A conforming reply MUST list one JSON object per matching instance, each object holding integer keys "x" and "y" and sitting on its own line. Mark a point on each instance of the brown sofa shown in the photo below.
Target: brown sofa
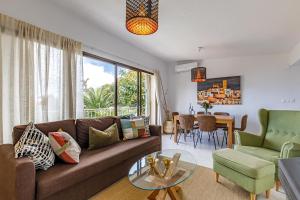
{"x": 97, "y": 168}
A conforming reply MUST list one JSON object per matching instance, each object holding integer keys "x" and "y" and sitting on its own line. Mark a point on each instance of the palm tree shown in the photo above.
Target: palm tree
{"x": 99, "y": 97}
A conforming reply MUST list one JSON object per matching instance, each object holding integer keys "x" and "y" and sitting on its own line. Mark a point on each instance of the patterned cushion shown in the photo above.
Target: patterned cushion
{"x": 146, "y": 122}
{"x": 35, "y": 145}
{"x": 65, "y": 147}
{"x": 133, "y": 128}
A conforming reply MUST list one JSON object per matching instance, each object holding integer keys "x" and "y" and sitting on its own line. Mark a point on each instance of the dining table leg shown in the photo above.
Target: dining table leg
{"x": 230, "y": 134}
{"x": 175, "y": 131}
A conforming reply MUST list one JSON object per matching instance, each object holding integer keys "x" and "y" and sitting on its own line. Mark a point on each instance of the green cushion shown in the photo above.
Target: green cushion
{"x": 266, "y": 154}
{"x": 255, "y": 186}
{"x": 98, "y": 139}
{"x": 243, "y": 163}
{"x": 282, "y": 127}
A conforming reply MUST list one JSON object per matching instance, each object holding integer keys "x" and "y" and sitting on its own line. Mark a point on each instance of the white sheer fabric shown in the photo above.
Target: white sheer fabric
{"x": 157, "y": 106}
{"x": 40, "y": 76}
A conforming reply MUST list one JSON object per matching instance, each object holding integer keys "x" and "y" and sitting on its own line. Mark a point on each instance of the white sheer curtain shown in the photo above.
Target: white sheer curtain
{"x": 40, "y": 76}
{"x": 157, "y": 106}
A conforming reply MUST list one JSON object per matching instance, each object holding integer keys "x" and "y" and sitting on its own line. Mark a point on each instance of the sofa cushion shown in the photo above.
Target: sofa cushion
{"x": 83, "y": 125}
{"x": 65, "y": 147}
{"x": 99, "y": 139}
{"x": 282, "y": 127}
{"x": 266, "y": 154}
{"x": 62, "y": 176}
{"x": 248, "y": 165}
{"x": 133, "y": 128}
{"x": 67, "y": 126}
{"x": 35, "y": 145}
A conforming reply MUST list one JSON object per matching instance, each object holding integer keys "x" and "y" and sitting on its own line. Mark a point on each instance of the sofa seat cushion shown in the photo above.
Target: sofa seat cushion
{"x": 245, "y": 164}
{"x": 62, "y": 176}
{"x": 266, "y": 154}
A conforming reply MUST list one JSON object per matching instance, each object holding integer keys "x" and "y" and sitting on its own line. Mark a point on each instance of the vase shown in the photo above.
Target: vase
{"x": 168, "y": 126}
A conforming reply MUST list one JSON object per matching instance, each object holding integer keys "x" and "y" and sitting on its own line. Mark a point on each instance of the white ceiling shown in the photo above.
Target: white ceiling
{"x": 225, "y": 28}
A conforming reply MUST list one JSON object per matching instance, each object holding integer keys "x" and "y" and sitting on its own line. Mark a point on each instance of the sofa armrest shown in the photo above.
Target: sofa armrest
{"x": 290, "y": 149}
{"x": 155, "y": 130}
{"x": 248, "y": 139}
{"x": 17, "y": 176}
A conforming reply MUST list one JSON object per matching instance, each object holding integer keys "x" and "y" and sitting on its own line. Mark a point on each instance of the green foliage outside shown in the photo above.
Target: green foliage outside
{"x": 102, "y": 99}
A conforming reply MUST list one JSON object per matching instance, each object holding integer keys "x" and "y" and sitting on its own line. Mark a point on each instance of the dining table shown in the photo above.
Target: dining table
{"x": 220, "y": 119}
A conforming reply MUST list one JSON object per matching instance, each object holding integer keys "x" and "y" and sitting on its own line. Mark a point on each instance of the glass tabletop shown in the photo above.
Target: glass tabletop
{"x": 162, "y": 169}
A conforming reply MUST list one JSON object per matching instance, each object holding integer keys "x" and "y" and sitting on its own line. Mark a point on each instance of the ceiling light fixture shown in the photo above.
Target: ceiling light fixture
{"x": 198, "y": 74}
{"x": 142, "y": 16}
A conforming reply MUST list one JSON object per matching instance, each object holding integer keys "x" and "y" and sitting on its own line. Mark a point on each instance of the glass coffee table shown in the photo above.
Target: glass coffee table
{"x": 161, "y": 172}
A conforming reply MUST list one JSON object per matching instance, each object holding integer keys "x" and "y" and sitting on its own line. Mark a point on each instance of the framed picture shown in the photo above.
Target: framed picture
{"x": 220, "y": 91}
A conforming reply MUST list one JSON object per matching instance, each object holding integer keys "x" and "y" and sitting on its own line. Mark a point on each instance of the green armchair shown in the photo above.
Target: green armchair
{"x": 279, "y": 137}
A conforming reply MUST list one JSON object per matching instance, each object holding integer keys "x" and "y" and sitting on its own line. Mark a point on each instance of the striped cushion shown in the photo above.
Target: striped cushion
{"x": 65, "y": 147}
{"x": 35, "y": 145}
{"x": 133, "y": 128}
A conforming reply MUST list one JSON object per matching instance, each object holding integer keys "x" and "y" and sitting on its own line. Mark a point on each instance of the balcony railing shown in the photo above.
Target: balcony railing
{"x": 102, "y": 112}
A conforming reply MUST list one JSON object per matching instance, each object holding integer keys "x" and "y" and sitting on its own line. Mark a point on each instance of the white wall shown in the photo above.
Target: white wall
{"x": 265, "y": 82}
{"x": 44, "y": 14}
{"x": 294, "y": 59}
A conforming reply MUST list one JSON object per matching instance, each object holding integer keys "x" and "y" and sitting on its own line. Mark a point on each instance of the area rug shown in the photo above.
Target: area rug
{"x": 200, "y": 186}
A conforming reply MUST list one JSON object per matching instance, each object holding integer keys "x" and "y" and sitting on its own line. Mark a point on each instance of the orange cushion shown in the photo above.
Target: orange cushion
{"x": 65, "y": 147}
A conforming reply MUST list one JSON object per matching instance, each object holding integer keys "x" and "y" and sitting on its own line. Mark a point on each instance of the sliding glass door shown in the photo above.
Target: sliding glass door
{"x": 112, "y": 89}
{"x": 127, "y": 91}
{"x": 99, "y": 88}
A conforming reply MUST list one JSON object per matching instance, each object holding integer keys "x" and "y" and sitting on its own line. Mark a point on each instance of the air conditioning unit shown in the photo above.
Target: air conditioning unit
{"x": 185, "y": 67}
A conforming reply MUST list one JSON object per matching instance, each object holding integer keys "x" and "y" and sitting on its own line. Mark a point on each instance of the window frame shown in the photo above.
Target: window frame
{"x": 122, "y": 65}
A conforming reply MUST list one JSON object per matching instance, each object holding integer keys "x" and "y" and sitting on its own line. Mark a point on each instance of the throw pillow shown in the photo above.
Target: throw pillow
{"x": 64, "y": 146}
{"x": 98, "y": 139}
{"x": 133, "y": 128}
{"x": 35, "y": 145}
{"x": 146, "y": 122}
{"x": 127, "y": 116}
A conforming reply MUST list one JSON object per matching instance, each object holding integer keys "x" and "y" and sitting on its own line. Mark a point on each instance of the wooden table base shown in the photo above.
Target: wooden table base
{"x": 162, "y": 194}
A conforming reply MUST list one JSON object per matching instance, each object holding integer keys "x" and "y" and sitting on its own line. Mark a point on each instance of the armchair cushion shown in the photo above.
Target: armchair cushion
{"x": 282, "y": 127}
{"x": 265, "y": 154}
{"x": 248, "y": 139}
{"x": 262, "y": 153}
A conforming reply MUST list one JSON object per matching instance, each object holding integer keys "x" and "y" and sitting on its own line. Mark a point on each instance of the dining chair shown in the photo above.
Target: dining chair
{"x": 202, "y": 113}
{"x": 173, "y": 115}
{"x": 186, "y": 126}
{"x": 242, "y": 128}
{"x": 222, "y": 113}
{"x": 206, "y": 123}
{"x": 222, "y": 126}
{"x": 243, "y": 123}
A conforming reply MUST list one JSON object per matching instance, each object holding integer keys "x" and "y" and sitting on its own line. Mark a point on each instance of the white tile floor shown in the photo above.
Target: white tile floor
{"x": 203, "y": 151}
{"x": 203, "y": 156}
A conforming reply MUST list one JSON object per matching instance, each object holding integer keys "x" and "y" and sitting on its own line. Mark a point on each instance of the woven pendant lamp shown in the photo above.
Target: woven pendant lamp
{"x": 142, "y": 16}
{"x": 198, "y": 74}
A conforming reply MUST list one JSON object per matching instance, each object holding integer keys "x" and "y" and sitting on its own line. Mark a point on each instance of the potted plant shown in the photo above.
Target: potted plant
{"x": 206, "y": 105}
